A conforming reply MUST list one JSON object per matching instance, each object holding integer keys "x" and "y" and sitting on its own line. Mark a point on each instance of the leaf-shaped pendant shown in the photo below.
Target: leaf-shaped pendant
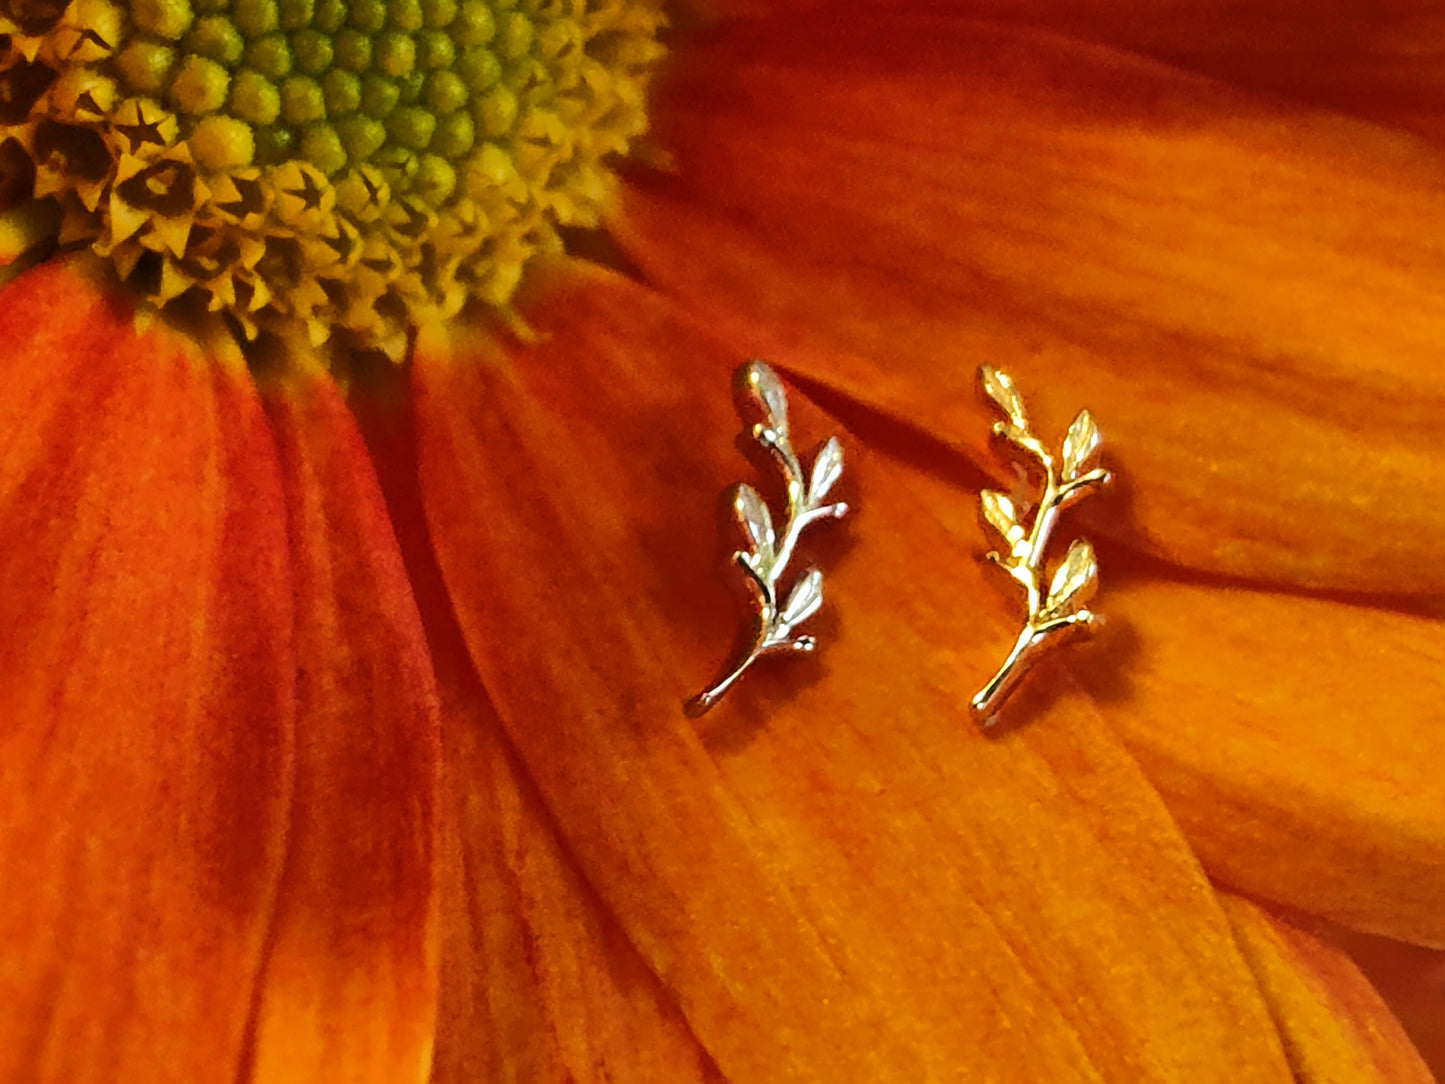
{"x": 827, "y": 469}
{"x": 756, "y": 521}
{"x": 763, "y": 406}
{"x": 805, "y": 600}
{"x": 1059, "y": 615}
{"x": 1074, "y": 582}
{"x": 1081, "y": 446}
{"x": 761, "y": 399}
{"x": 999, "y": 511}
{"x": 1000, "y": 388}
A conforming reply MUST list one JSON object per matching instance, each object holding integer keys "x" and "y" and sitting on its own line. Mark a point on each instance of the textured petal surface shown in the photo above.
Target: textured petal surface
{"x": 1247, "y": 295}
{"x": 1379, "y": 60}
{"x": 1374, "y": 59}
{"x": 537, "y": 982}
{"x": 835, "y": 875}
{"x": 1335, "y": 1026}
{"x": 146, "y": 693}
{"x": 1296, "y": 740}
{"x": 1411, "y": 979}
{"x": 349, "y": 991}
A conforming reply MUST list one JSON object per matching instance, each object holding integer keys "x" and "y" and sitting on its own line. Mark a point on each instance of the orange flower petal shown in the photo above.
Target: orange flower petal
{"x": 836, "y": 875}
{"x": 1411, "y": 979}
{"x": 1296, "y": 740}
{"x": 1379, "y": 61}
{"x": 1247, "y": 296}
{"x": 537, "y": 982}
{"x": 146, "y": 693}
{"x": 349, "y": 991}
{"x": 1334, "y": 1025}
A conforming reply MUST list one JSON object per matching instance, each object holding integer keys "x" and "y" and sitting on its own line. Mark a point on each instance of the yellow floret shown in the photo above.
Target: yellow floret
{"x": 329, "y": 167}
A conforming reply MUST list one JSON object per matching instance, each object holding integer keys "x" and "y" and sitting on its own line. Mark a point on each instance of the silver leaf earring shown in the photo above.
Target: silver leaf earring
{"x": 763, "y": 405}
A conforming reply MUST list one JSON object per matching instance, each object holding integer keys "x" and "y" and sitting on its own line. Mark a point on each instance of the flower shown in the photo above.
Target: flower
{"x": 377, "y": 726}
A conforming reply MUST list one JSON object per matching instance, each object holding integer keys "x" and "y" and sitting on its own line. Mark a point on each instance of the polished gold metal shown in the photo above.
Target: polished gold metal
{"x": 762, "y": 402}
{"x": 1060, "y": 615}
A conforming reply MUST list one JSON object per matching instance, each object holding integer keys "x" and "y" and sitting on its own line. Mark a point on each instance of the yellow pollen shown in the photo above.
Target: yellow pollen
{"x": 346, "y": 167}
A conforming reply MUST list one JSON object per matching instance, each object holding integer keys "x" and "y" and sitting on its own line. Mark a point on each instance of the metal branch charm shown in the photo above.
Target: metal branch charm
{"x": 1058, "y": 616}
{"x": 763, "y": 405}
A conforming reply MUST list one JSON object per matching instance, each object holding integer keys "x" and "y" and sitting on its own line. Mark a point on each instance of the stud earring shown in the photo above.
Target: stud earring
{"x": 763, "y": 405}
{"x": 1059, "y": 615}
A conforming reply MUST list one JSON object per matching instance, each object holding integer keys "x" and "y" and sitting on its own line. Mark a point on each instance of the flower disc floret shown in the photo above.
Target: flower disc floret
{"x": 319, "y": 165}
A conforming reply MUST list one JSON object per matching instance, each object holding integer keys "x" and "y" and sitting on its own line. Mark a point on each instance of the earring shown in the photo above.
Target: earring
{"x": 763, "y": 405}
{"x": 1058, "y": 616}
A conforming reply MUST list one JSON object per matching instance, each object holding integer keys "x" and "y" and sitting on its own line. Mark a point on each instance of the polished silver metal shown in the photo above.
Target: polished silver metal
{"x": 763, "y": 405}
{"x": 1059, "y": 615}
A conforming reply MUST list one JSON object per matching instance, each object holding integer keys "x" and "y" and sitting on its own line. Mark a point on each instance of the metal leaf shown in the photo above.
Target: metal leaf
{"x": 805, "y": 599}
{"x": 1081, "y": 446}
{"x": 1000, "y": 513}
{"x": 827, "y": 469}
{"x": 1000, "y": 388}
{"x": 1075, "y": 581}
{"x": 761, "y": 397}
{"x": 755, "y": 519}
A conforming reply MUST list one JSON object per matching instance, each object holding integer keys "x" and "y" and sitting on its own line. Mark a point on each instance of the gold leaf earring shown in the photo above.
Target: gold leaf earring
{"x": 762, "y": 402}
{"x": 1059, "y": 615}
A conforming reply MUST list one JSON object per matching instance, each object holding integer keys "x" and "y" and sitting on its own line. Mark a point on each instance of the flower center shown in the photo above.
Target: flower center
{"x": 349, "y": 166}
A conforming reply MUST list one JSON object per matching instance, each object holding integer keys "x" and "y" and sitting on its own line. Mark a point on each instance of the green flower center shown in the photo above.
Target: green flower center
{"x": 351, "y": 166}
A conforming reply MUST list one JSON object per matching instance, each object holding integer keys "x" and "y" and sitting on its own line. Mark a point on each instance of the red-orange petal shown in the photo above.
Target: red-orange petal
{"x": 537, "y": 983}
{"x": 836, "y": 876}
{"x": 1296, "y": 740}
{"x": 1335, "y": 1026}
{"x": 1245, "y": 294}
{"x": 1380, "y": 61}
{"x": 1411, "y": 979}
{"x": 349, "y": 990}
{"x": 146, "y": 693}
